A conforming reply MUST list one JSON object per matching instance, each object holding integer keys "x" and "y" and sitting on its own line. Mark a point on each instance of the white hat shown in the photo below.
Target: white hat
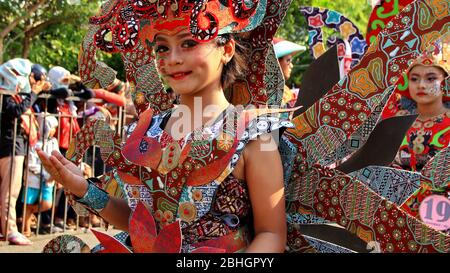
{"x": 283, "y": 47}
{"x": 56, "y": 74}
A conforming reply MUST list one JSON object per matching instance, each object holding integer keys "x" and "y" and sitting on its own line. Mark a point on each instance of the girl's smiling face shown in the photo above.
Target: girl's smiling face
{"x": 189, "y": 67}
{"x": 425, "y": 84}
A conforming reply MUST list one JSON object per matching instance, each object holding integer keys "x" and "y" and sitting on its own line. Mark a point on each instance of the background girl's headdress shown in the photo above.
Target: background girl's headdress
{"x": 438, "y": 55}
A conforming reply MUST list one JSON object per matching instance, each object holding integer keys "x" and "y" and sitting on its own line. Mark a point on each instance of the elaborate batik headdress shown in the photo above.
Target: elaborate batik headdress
{"x": 205, "y": 19}
{"x": 129, "y": 28}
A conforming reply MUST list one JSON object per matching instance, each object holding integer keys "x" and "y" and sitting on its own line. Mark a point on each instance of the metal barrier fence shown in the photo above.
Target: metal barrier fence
{"x": 119, "y": 121}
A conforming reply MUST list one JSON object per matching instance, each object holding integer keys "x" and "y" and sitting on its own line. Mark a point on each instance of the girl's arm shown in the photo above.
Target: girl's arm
{"x": 111, "y": 97}
{"x": 71, "y": 177}
{"x": 264, "y": 176}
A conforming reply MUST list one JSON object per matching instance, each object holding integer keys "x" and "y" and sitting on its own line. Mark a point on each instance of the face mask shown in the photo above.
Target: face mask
{"x": 59, "y": 85}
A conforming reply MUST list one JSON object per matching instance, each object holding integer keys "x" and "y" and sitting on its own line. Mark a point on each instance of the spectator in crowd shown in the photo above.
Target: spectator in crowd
{"x": 27, "y": 81}
{"x": 113, "y": 97}
{"x": 68, "y": 127}
{"x": 40, "y": 184}
{"x": 285, "y": 52}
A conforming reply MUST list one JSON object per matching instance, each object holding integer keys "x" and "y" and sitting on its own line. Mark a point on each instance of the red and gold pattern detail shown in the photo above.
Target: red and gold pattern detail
{"x": 144, "y": 236}
{"x": 381, "y": 15}
{"x": 423, "y": 140}
{"x": 225, "y": 142}
{"x": 171, "y": 157}
{"x": 296, "y": 242}
{"x": 376, "y": 69}
{"x": 232, "y": 198}
{"x": 197, "y": 195}
{"x": 187, "y": 212}
{"x": 361, "y": 83}
{"x": 142, "y": 150}
{"x": 110, "y": 244}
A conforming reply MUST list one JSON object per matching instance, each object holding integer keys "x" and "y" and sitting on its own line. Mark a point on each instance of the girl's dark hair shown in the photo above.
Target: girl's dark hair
{"x": 237, "y": 65}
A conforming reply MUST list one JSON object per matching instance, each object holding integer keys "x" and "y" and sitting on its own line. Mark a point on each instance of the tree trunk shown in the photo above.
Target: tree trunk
{"x": 9, "y": 27}
{"x": 1, "y": 50}
{"x": 26, "y": 45}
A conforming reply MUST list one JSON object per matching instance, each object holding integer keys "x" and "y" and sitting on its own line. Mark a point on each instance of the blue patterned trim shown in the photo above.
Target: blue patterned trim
{"x": 95, "y": 198}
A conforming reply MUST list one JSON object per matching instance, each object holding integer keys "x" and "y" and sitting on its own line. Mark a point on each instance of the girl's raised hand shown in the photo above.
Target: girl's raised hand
{"x": 64, "y": 172}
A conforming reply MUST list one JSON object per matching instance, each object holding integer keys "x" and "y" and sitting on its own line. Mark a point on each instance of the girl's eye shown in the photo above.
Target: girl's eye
{"x": 413, "y": 79}
{"x": 189, "y": 44}
{"x": 432, "y": 79}
{"x": 161, "y": 49}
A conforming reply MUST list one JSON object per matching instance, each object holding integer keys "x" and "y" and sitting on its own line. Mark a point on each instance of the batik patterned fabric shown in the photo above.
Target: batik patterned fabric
{"x": 435, "y": 179}
{"x": 253, "y": 89}
{"x": 349, "y": 203}
{"x": 329, "y": 122}
{"x": 318, "y": 18}
{"x": 356, "y": 140}
{"x": 393, "y": 184}
{"x": 422, "y": 141}
{"x": 324, "y": 126}
{"x": 199, "y": 190}
{"x": 207, "y": 210}
{"x": 384, "y": 12}
{"x": 66, "y": 244}
{"x": 326, "y": 247}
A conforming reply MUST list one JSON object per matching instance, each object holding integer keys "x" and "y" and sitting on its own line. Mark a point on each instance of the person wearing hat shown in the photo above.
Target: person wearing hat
{"x": 285, "y": 52}
{"x": 47, "y": 126}
{"x": 431, "y": 131}
{"x": 18, "y": 129}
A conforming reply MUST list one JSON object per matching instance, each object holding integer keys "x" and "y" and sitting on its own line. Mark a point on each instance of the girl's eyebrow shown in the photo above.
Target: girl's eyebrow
{"x": 178, "y": 36}
{"x": 427, "y": 74}
{"x": 431, "y": 74}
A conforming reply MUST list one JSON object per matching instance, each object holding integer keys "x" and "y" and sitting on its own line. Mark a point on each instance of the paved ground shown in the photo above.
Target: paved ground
{"x": 40, "y": 241}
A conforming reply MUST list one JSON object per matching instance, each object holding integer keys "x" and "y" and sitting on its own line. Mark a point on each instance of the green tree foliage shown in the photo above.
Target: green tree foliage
{"x": 294, "y": 27}
{"x": 50, "y": 31}
{"x": 50, "y": 35}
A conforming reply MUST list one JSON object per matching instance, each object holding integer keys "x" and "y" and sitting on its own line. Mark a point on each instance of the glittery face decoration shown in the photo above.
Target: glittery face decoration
{"x": 426, "y": 80}
{"x": 434, "y": 88}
